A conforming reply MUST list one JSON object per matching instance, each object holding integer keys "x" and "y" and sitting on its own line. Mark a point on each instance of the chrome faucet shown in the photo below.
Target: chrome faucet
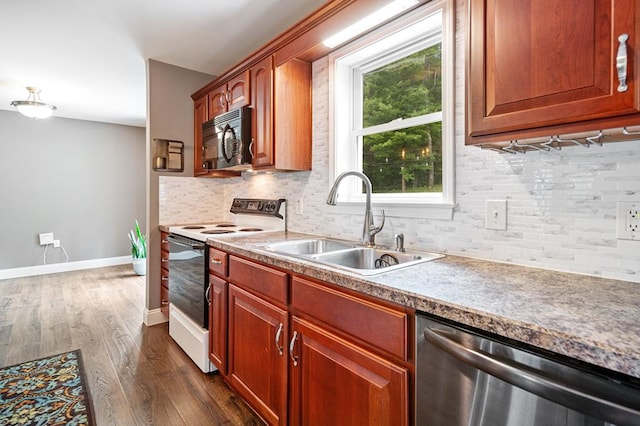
{"x": 369, "y": 230}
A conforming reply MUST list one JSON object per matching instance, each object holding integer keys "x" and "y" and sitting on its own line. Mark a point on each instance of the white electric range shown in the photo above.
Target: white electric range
{"x": 189, "y": 277}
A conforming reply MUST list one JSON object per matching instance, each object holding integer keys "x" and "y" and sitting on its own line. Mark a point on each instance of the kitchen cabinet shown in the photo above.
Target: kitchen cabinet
{"x": 281, "y": 101}
{"x": 200, "y": 115}
{"x": 344, "y": 347}
{"x": 258, "y": 332}
{"x": 549, "y": 67}
{"x": 164, "y": 273}
{"x": 335, "y": 357}
{"x": 231, "y": 95}
{"x": 218, "y": 299}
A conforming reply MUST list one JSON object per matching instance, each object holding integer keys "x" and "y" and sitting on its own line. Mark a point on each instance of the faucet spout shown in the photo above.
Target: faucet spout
{"x": 369, "y": 230}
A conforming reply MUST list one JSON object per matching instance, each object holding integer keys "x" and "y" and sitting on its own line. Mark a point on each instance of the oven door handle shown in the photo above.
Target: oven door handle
{"x": 182, "y": 243}
{"x": 546, "y": 386}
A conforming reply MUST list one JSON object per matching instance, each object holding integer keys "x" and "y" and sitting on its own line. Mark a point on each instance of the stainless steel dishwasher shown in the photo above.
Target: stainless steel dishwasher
{"x": 465, "y": 377}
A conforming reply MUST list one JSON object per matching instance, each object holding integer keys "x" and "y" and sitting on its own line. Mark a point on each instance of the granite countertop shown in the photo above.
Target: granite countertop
{"x": 592, "y": 319}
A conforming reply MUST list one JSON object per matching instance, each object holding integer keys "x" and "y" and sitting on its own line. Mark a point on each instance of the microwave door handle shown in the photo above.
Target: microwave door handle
{"x": 554, "y": 388}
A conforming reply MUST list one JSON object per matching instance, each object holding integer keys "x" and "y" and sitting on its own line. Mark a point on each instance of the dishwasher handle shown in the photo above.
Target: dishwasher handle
{"x": 551, "y": 388}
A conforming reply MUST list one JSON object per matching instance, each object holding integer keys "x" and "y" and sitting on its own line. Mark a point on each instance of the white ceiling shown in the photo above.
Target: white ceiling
{"x": 88, "y": 56}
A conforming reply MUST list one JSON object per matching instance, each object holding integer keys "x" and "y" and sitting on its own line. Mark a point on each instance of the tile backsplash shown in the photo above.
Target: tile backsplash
{"x": 561, "y": 204}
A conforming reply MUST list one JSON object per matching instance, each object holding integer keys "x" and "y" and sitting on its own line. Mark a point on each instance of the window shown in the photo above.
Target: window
{"x": 393, "y": 111}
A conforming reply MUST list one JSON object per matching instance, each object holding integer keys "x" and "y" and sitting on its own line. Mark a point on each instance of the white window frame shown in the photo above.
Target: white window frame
{"x": 343, "y": 79}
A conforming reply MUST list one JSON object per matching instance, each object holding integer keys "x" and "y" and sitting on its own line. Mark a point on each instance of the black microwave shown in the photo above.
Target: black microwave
{"x": 226, "y": 141}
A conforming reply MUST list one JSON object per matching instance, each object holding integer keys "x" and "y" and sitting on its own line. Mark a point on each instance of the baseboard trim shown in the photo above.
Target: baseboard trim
{"x": 154, "y": 317}
{"x": 54, "y": 268}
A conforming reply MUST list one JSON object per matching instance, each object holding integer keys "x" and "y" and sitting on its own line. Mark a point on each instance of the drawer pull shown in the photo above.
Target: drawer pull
{"x": 164, "y": 278}
{"x": 163, "y": 260}
{"x": 165, "y": 241}
{"x": 278, "y": 335}
{"x": 216, "y": 261}
{"x": 291, "y": 347}
{"x": 621, "y": 63}
{"x": 164, "y": 302}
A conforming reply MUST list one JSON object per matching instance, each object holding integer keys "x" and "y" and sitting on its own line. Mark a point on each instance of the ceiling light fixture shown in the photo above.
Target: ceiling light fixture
{"x": 390, "y": 10}
{"x": 33, "y": 107}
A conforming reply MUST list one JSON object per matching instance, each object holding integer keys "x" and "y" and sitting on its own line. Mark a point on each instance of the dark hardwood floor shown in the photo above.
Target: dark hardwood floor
{"x": 137, "y": 375}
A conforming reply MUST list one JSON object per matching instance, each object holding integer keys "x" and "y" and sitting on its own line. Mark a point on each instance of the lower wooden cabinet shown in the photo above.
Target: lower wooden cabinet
{"x": 257, "y": 358}
{"x": 334, "y": 382}
{"x": 218, "y": 290}
{"x": 164, "y": 273}
{"x": 303, "y": 352}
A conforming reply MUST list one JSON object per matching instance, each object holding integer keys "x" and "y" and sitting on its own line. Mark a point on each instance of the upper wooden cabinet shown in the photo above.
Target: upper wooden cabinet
{"x": 281, "y": 101}
{"x": 539, "y": 68}
{"x": 200, "y": 115}
{"x": 233, "y": 94}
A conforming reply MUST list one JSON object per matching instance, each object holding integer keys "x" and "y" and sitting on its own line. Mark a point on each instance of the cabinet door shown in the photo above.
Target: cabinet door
{"x": 200, "y": 115}
{"x": 536, "y": 63}
{"x": 257, "y": 357}
{"x": 334, "y": 382}
{"x": 238, "y": 94}
{"x": 292, "y": 115}
{"x": 262, "y": 114}
{"x": 217, "y": 101}
{"x": 218, "y": 323}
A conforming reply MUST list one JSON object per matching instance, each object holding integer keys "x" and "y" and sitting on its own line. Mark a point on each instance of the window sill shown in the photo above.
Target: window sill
{"x": 440, "y": 211}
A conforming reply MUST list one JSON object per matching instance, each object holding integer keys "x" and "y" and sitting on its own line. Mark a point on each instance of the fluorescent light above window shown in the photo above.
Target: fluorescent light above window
{"x": 390, "y": 10}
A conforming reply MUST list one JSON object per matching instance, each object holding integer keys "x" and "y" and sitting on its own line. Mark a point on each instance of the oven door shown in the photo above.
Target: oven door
{"x": 188, "y": 278}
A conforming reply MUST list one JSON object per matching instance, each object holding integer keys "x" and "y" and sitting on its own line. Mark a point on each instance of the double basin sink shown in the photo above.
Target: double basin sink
{"x": 349, "y": 256}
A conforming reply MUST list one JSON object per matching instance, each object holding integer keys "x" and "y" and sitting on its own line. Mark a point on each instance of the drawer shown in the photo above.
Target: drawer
{"x": 218, "y": 262}
{"x": 377, "y": 325}
{"x": 164, "y": 243}
{"x": 164, "y": 259}
{"x": 164, "y": 277}
{"x": 164, "y": 300}
{"x": 261, "y": 279}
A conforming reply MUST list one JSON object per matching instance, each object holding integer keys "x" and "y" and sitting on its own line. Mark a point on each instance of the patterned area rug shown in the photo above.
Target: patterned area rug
{"x": 47, "y": 391}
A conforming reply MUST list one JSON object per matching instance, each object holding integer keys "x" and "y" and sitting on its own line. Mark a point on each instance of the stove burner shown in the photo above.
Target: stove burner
{"x": 225, "y": 225}
{"x": 193, "y": 227}
{"x": 250, "y": 229}
{"x": 217, "y": 231}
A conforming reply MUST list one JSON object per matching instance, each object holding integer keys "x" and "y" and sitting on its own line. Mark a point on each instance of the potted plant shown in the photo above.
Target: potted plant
{"x": 138, "y": 250}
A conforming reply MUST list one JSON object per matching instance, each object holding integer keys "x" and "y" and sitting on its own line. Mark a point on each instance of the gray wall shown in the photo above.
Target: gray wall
{"x": 169, "y": 116}
{"x": 82, "y": 180}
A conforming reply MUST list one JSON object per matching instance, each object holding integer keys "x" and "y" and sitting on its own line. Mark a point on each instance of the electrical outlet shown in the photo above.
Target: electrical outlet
{"x": 628, "y": 221}
{"x": 497, "y": 214}
{"x": 46, "y": 238}
{"x": 299, "y": 206}
{"x": 56, "y": 243}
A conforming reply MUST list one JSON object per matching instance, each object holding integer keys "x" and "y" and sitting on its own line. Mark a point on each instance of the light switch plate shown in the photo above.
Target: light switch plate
{"x": 497, "y": 215}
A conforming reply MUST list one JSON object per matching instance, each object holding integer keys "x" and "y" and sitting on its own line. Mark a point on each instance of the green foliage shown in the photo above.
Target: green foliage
{"x": 409, "y": 159}
{"x": 138, "y": 243}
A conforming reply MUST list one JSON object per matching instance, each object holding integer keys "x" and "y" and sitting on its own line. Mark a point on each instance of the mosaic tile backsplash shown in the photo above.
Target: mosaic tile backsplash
{"x": 561, "y": 204}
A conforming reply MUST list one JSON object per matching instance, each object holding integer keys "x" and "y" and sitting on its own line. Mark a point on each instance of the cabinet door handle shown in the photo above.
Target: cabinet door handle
{"x": 164, "y": 241}
{"x": 207, "y": 294}
{"x": 163, "y": 260}
{"x": 165, "y": 278}
{"x": 216, "y": 261}
{"x": 228, "y": 96}
{"x": 251, "y": 148}
{"x": 278, "y": 335}
{"x": 291, "y": 346}
{"x": 164, "y": 302}
{"x": 222, "y": 98}
{"x": 621, "y": 63}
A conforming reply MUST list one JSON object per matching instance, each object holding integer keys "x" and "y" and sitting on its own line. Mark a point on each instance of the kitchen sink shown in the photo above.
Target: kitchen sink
{"x": 350, "y": 256}
{"x": 369, "y": 261}
{"x": 308, "y": 247}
